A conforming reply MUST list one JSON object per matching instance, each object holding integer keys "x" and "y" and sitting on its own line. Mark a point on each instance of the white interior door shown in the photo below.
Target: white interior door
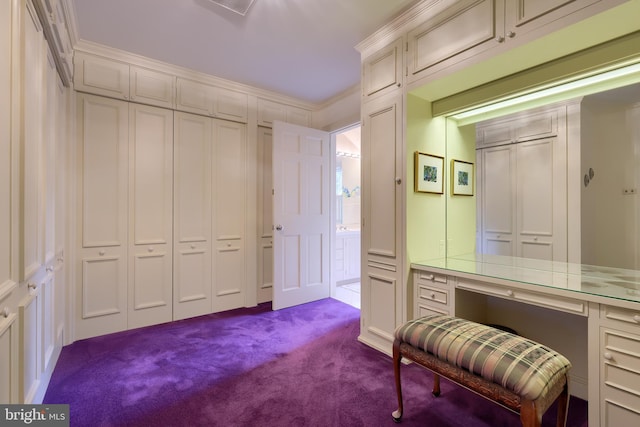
{"x": 301, "y": 215}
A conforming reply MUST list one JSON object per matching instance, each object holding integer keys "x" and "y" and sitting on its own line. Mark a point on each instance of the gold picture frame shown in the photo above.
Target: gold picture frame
{"x": 429, "y": 173}
{"x": 462, "y": 178}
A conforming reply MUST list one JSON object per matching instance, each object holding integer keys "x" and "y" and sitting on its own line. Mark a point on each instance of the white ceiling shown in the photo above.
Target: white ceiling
{"x": 300, "y": 48}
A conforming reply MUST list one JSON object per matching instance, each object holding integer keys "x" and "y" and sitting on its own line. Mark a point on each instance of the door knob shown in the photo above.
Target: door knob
{"x": 279, "y": 227}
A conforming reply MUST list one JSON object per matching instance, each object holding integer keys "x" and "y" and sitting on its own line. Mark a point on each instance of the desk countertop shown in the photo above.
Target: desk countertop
{"x": 588, "y": 280}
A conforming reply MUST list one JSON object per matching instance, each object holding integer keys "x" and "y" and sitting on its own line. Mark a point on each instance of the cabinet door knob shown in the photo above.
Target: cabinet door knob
{"x": 511, "y": 34}
{"x": 32, "y": 286}
{"x": 279, "y": 227}
{"x": 499, "y": 39}
{"x": 6, "y": 312}
{"x": 608, "y": 356}
{"x": 510, "y": 292}
{"x": 398, "y": 181}
{"x": 636, "y": 318}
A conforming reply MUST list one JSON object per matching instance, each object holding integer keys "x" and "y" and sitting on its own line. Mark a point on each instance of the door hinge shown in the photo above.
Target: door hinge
{"x": 406, "y": 46}
{"x": 273, "y": 192}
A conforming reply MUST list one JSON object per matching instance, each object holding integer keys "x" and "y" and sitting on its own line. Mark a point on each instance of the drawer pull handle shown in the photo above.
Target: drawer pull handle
{"x": 193, "y": 246}
{"x": 636, "y": 318}
{"x": 432, "y": 295}
{"x": 101, "y": 253}
{"x": 510, "y": 293}
{"x": 430, "y": 277}
{"x": 608, "y": 356}
{"x": 6, "y": 312}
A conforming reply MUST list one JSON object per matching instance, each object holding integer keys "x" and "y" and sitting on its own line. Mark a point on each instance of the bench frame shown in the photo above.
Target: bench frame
{"x": 530, "y": 411}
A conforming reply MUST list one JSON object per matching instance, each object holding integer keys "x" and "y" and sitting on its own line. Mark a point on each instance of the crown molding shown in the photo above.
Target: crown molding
{"x": 396, "y": 28}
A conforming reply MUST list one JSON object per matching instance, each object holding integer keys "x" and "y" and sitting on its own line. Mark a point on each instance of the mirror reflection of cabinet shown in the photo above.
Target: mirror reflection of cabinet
{"x": 522, "y": 176}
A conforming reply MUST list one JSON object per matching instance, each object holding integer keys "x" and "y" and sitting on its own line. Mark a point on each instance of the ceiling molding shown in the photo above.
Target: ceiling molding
{"x": 409, "y": 19}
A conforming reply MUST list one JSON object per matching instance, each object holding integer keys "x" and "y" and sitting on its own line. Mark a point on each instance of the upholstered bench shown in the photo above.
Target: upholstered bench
{"x": 508, "y": 369}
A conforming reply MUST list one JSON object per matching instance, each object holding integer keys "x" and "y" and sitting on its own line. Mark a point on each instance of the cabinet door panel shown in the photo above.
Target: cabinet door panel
{"x": 268, "y": 111}
{"x": 498, "y": 203}
{"x": 192, "y": 216}
{"x": 150, "y": 290}
{"x": 231, "y": 105}
{"x": 194, "y": 97}
{"x": 151, "y": 215}
{"x": 152, "y": 87}
{"x": 101, "y": 76}
{"x": 8, "y": 358}
{"x": 229, "y": 185}
{"x": 382, "y": 71}
{"x": 151, "y": 178}
{"x": 103, "y": 126}
{"x": 265, "y": 214}
{"x": 31, "y": 347}
{"x": 32, "y": 146}
{"x": 467, "y": 25}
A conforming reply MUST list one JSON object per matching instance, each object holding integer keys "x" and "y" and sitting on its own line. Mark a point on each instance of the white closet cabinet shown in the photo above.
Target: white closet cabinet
{"x": 382, "y": 71}
{"x": 32, "y": 228}
{"x": 115, "y": 79}
{"x": 201, "y": 98}
{"x": 265, "y": 215}
{"x": 103, "y": 168}
{"x": 382, "y": 227}
{"x": 468, "y": 28}
{"x": 192, "y": 216}
{"x": 229, "y": 183}
{"x": 523, "y": 196}
{"x": 268, "y": 111}
{"x": 150, "y": 215}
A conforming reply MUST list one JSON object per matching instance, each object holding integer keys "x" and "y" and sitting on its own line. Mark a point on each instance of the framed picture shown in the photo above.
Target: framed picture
{"x": 429, "y": 171}
{"x": 462, "y": 178}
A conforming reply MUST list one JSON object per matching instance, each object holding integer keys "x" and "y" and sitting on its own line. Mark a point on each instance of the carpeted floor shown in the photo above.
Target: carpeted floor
{"x": 301, "y": 366}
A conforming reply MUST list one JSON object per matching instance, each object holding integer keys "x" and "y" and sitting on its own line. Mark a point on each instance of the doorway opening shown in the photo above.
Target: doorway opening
{"x": 347, "y": 216}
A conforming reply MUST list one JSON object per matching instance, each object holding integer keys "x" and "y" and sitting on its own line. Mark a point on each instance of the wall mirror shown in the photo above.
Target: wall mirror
{"x": 558, "y": 182}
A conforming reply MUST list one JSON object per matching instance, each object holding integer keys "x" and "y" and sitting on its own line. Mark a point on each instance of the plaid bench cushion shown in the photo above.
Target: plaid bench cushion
{"x": 522, "y": 366}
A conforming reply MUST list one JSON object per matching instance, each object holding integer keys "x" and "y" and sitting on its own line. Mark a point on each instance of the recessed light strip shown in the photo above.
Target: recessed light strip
{"x": 596, "y": 83}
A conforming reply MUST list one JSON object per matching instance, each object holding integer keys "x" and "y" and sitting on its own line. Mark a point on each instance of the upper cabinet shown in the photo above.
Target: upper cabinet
{"x": 382, "y": 71}
{"x": 200, "y": 98}
{"x": 470, "y": 27}
{"x": 114, "y": 79}
{"x": 465, "y": 29}
{"x": 269, "y": 111}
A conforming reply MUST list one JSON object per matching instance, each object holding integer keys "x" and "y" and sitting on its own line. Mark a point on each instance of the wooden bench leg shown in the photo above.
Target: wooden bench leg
{"x": 397, "y": 358}
{"x": 529, "y": 414}
{"x": 436, "y": 385}
{"x": 563, "y": 406}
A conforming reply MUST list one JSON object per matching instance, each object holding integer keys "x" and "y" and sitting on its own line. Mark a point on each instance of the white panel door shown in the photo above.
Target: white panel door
{"x": 192, "y": 216}
{"x": 301, "y": 214}
{"x": 102, "y": 134}
{"x": 150, "y": 215}
{"x": 229, "y": 183}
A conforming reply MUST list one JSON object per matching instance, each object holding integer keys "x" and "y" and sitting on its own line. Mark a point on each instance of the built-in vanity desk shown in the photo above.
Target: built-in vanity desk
{"x": 590, "y": 314}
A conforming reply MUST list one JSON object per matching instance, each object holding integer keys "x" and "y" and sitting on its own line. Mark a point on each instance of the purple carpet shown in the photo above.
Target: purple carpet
{"x": 301, "y": 366}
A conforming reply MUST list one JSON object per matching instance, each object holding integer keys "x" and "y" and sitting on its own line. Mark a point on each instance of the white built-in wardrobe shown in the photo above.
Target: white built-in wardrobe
{"x": 161, "y": 228}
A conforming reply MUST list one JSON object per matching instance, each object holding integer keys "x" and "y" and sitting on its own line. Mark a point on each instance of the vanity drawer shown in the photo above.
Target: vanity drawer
{"x": 427, "y": 310}
{"x": 620, "y": 315}
{"x": 433, "y": 294}
{"x": 424, "y": 277}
